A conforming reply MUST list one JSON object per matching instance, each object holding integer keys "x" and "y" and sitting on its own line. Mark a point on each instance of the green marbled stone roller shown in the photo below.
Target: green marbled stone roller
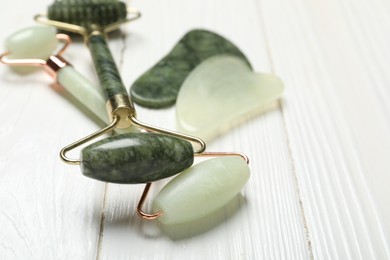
{"x": 94, "y": 16}
{"x": 86, "y": 12}
{"x": 136, "y": 158}
{"x": 159, "y": 86}
{"x": 93, "y": 19}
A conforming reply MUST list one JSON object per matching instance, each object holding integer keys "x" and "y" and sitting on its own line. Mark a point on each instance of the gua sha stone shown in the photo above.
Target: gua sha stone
{"x": 219, "y": 92}
{"x": 158, "y": 87}
{"x": 136, "y": 158}
{"x": 201, "y": 189}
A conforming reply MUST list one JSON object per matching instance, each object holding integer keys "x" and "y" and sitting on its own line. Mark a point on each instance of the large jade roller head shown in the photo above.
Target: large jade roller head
{"x": 136, "y": 158}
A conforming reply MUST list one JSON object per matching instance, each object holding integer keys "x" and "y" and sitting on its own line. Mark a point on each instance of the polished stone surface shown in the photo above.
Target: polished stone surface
{"x": 106, "y": 69}
{"x": 201, "y": 189}
{"x": 87, "y": 12}
{"x": 136, "y": 158}
{"x": 220, "y": 93}
{"x": 158, "y": 87}
{"x": 35, "y": 42}
{"x": 84, "y": 91}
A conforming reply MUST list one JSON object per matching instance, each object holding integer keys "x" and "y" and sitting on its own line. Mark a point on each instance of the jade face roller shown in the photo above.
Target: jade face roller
{"x": 128, "y": 158}
{"x": 154, "y": 156}
{"x": 34, "y": 46}
{"x": 93, "y": 20}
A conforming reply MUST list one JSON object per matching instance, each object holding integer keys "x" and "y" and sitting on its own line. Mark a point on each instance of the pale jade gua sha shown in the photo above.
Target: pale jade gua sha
{"x": 34, "y": 46}
{"x": 220, "y": 91}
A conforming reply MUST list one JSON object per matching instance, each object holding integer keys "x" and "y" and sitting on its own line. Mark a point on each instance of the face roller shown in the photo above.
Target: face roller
{"x": 126, "y": 158}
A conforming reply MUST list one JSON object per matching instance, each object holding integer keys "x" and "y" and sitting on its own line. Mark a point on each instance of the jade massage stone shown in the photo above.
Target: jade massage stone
{"x": 201, "y": 189}
{"x": 158, "y": 87}
{"x": 136, "y": 158}
{"x": 221, "y": 91}
{"x": 36, "y": 42}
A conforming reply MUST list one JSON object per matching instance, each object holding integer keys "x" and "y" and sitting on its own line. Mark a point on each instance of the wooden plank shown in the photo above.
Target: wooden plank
{"x": 266, "y": 221}
{"x": 319, "y": 164}
{"x": 48, "y": 209}
{"x": 337, "y": 120}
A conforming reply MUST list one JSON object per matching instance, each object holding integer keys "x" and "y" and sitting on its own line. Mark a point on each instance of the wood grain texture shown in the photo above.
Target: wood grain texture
{"x": 266, "y": 221}
{"x": 48, "y": 209}
{"x": 319, "y": 161}
{"x": 337, "y": 129}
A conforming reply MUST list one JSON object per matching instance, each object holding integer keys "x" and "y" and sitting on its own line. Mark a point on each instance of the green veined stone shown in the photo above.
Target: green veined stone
{"x": 106, "y": 69}
{"x": 85, "y": 13}
{"x": 158, "y": 87}
{"x": 136, "y": 158}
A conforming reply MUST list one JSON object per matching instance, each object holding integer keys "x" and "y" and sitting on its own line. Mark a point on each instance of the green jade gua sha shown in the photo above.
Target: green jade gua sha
{"x": 159, "y": 86}
{"x": 34, "y": 46}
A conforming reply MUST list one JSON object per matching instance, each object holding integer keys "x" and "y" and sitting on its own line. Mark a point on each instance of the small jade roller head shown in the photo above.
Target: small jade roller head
{"x": 87, "y": 12}
{"x": 36, "y": 42}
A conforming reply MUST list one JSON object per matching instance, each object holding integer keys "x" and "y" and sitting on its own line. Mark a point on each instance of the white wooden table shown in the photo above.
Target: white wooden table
{"x": 320, "y": 162}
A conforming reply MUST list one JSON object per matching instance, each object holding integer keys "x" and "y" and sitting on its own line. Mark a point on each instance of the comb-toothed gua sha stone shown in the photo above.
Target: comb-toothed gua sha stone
{"x": 87, "y": 12}
{"x": 219, "y": 92}
{"x": 136, "y": 158}
{"x": 158, "y": 87}
{"x": 201, "y": 189}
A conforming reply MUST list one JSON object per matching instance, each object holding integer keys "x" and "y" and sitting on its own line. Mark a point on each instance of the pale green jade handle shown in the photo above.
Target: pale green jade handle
{"x": 84, "y": 91}
{"x": 39, "y": 43}
{"x": 86, "y": 94}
